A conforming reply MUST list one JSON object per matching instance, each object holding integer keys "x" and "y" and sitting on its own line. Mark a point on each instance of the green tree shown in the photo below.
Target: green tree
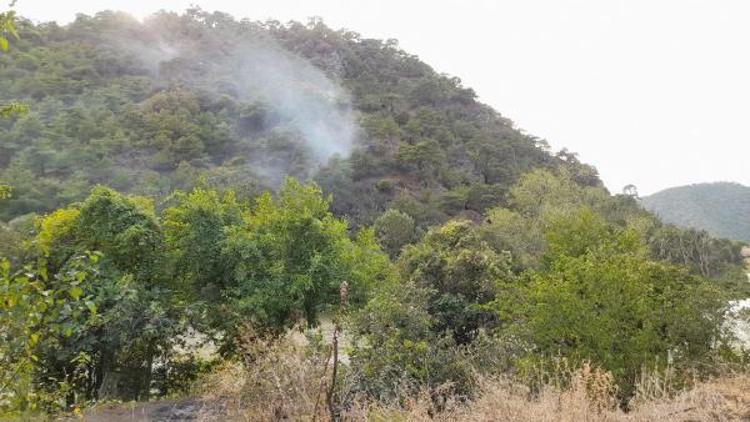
{"x": 15, "y": 240}
{"x": 289, "y": 257}
{"x": 460, "y": 272}
{"x": 695, "y": 249}
{"x": 395, "y": 349}
{"x": 493, "y": 160}
{"x": 136, "y": 320}
{"x": 601, "y": 298}
{"x": 542, "y": 194}
{"x": 103, "y": 114}
{"x": 394, "y": 229}
{"x": 38, "y": 310}
{"x": 425, "y": 156}
{"x": 522, "y": 237}
{"x": 7, "y": 27}
{"x": 196, "y": 228}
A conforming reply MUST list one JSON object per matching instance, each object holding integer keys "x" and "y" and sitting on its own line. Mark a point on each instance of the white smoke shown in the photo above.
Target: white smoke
{"x": 301, "y": 94}
{"x": 257, "y": 70}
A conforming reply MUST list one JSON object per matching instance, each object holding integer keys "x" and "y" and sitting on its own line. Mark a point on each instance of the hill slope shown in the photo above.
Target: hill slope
{"x": 150, "y": 107}
{"x": 722, "y": 209}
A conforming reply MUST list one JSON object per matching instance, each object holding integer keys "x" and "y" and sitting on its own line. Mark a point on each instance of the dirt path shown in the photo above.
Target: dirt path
{"x": 188, "y": 409}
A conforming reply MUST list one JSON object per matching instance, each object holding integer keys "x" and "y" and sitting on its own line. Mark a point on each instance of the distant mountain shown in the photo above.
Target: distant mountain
{"x": 722, "y": 209}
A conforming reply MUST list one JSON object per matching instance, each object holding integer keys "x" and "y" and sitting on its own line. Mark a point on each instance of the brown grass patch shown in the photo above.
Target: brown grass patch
{"x": 283, "y": 380}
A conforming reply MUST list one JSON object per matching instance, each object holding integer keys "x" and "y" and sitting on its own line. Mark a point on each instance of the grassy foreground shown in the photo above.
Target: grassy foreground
{"x": 292, "y": 384}
{"x": 722, "y": 399}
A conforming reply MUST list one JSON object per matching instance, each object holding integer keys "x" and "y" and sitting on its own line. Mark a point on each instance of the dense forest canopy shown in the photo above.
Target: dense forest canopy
{"x": 197, "y": 174}
{"x": 719, "y": 208}
{"x": 155, "y": 106}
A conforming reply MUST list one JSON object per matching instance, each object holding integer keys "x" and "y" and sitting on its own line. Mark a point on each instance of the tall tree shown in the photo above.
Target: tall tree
{"x": 135, "y": 321}
{"x": 460, "y": 272}
{"x": 287, "y": 259}
{"x": 601, "y": 298}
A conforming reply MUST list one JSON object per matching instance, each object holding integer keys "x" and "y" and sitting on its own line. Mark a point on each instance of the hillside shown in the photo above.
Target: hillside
{"x": 156, "y": 106}
{"x": 719, "y": 208}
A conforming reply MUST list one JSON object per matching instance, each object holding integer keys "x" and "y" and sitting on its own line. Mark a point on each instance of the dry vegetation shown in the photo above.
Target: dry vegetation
{"x": 286, "y": 381}
{"x": 587, "y": 399}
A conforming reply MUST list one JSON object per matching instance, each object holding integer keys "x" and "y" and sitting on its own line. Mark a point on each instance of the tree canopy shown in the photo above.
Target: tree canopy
{"x": 138, "y": 108}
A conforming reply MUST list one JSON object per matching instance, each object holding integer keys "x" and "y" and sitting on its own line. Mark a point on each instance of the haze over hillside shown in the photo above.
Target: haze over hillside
{"x": 722, "y": 208}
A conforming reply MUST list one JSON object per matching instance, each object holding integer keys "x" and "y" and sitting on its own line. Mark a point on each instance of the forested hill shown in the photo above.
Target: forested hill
{"x": 197, "y": 176}
{"x": 719, "y": 208}
{"x": 199, "y": 98}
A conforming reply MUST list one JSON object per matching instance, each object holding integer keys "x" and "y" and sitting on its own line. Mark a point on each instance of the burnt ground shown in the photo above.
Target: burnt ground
{"x": 186, "y": 409}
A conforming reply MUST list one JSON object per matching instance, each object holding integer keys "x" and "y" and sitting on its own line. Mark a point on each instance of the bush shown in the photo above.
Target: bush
{"x": 276, "y": 379}
{"x": 394, "y": 229}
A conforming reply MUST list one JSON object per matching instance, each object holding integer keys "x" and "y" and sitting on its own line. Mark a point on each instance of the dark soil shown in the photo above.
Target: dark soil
{"x": 187, "y": 409}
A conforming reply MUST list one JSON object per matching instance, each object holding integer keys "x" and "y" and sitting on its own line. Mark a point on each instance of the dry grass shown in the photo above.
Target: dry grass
{"x": 279, "y": 380}
{"x": 723, "y": 399}
{"x": 282, "y": 380}
{"x": 589, "y": 398}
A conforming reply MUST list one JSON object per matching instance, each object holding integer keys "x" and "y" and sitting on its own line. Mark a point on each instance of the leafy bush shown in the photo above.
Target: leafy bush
{"x": 600, "y": 297}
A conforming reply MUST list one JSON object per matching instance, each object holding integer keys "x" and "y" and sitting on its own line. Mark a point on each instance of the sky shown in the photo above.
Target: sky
{"x": 654, "y": 93}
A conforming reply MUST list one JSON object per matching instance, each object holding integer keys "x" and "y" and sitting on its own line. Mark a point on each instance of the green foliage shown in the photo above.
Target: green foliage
{"x": 274, "y": 263}
{"x": 394, "y": 229}
{"x": 460, "y": 273}
{"x": 576, "y": 234}
{"x": 537, "y": 202}
{"x": 7, "y": 30}
{"x": 217, "y": 264}
{"x": 13, "y": 108}
{"x": 124, "y": 229}
{"x": 291, "y": 254}
{"x": 525, "y": 253}
{"x": 569, "y": 272}
{"x": 108, "y": 352}
{"x": 542, "y": 194}
{"x": 695, "y": 249}
{"x": 395, "y": 349}
{"x": 509, "y": 231}
{"x": 601, "y": 298}
{"x": 15, "y": 239}
{"x": 133, "y": 106}
{"x": 196, "y": 228}
{"x": 37, "y": 312}
{"x": 175, "y": 126}
{"x": 7, "y": 27}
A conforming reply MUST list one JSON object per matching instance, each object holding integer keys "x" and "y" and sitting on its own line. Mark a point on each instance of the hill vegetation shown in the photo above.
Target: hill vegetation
{"x": 153, "y": 107}
{"x": 197, "y": 180}
{"x": 718, "y": 208}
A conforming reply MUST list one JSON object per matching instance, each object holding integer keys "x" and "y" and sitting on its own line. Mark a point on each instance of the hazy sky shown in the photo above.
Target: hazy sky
{"x": 652, "y": 92}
